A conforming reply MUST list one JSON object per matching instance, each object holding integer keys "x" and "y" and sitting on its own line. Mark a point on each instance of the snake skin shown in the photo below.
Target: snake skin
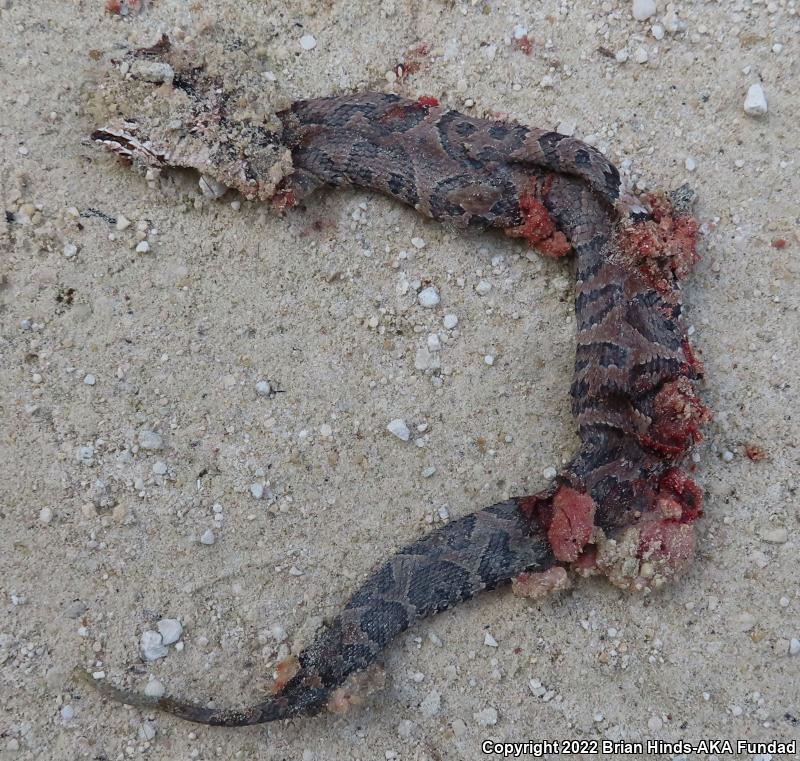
{"x": 471, "y": 172}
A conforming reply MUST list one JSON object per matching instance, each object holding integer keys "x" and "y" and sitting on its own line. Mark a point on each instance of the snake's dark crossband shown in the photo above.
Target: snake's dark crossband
{"x": 471, "y": 172}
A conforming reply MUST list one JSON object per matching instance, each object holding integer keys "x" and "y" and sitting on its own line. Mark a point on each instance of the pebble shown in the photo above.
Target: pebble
{"x": 755, "y": 104}
{"x": 658, "y": 31}
{"x": 489, "y": 359}
{"x": 794, "y": 646}
{"x": 308, "y": 42}
{"x": 89, "y": 380}
{"x": 489, "y": 640}
{"x": 150, "y": 440}
{"x": 428, "y": 297}
{"x": 211, "y": 188}
{"x": 152, "y": 646}
{"x": 487, "y": 717}
{"x": 142, "y": 247}
{"x": 433, "y": 342}
{"x": 67, "y": 713}
{"x": 154, "y": 688}
{"x": 550, "y": 473}
{"x": 776, "y": 535}
{"x": 160, "y": 468}
{"x": 325, "y": 431}
{"x": 450, "y": 321}
{"x": 690, "y": 164}
{"x": 483, "y": 287}
{"x": 123, "y": 223}
{"x": 431, "y": 704}
{"x": 643, "y": 9}
{"x": 12, "y": 745}
{"x": 263, "y": 388}
{"x": 621, "y": 56}
{"x": 567, "y": 127}
{"x": 147, "y": 731}
{"x": 418, "y": 242}
{"x": 75, "y": 610}
{"x": 640, "y": 55}
{"x": 398, "y": 427}
{"x": 45, "y": 515}
{"x": 170, "y": 630}
{"x": 257, "y": 490}
{"x": 727, "y": 455}
{"x": 156, "y": 72}
{"x": 70, "y": 249}
{"x": 207, "y": 537}
{"x": 278, "y": 633}
{"x": 428, "y": 472}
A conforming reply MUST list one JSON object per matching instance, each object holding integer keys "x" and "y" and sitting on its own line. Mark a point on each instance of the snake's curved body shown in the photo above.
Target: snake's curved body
{"x": 632, "y": 393}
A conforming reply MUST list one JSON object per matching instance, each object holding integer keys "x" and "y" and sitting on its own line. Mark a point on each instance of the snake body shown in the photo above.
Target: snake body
{"x": 632, "y": 393}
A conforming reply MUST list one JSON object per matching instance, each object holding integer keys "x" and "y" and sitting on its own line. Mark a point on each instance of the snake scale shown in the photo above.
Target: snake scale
{"x": 621, "y": 506}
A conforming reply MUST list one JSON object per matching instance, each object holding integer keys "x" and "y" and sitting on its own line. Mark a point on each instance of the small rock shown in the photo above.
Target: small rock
{"x": 433, "y": 342}
{"x": 154, "y": 688}
{"x": 70, "y": 249}
{"x": 398, "y": 427}
{"x": 89, "y": 380}
{"x": 325, "y": 431}
{"x": 147, "y": 731}
{"x": 727, "y": 456}
{"x": 658, "y": 31}
{"x": 690, "y": 164}
{"x": 489, "y": 640}
{"x": 483, "y": 287}
{"x": 431, "y": 704}
{"x": 450, "y": 321}
{"x": 418, "y": 242}
{"x": 67, "y": 714}
{"x": 75, "y": 610}
{"x": 487, "y": 717}
{"x": 308, "y": 42}
{"x": 263, "y": 388}
{"x": 621, "y": 56}
{"x": 156, "y": 72}
{"x": 150, "y": 440}
{"x": 207, "y": 537}
{"x": 643, "y": 9}
{"x": 744, "y": 622}
{"x": 160, "y": 468}
{"x": 428, "y": 472}
{"x": 776, "y": 535}
{"x": 211, "y": 187}
{"x": 257, "y": 490}
{"x": 755, "y": 104}
{"x": 567, "y": 127}
{"x": 123, "y": 223}
{"x": 142, "y": 247}
{"x": 794, "y": 646}
{"x": 640, "y": 55}
{"x": 278, "y": 633}
{"x": 489, "y": 359}
{"x": 45, "y": 515}
{"x": 170, "y": 630}
{"x": 152, "y": 646}
{"x": 428, "y": 297}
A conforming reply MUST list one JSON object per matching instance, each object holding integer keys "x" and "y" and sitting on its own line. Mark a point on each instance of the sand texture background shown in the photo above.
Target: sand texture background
{"x": 102, "y": 346}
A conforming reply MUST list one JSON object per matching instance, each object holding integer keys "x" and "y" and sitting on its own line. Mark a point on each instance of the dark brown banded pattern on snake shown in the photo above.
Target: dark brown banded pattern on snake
{"x": 631, "y": 394}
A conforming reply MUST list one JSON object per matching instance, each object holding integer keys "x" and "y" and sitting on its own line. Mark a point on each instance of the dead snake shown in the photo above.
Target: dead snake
{"x": 632, "y": 393}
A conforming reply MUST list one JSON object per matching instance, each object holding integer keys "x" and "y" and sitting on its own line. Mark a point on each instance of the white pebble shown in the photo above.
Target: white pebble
{"x": 152, "y": 646}
{"x": 150, "y": 440}
{"x": 70, "y": 249}
{"x": 727, "y": 455}
{"x": 483, "y": 287}
{"x": 398, "y": 427}
{"x": 658, "y": 31}
{"x": 257, "y": 490}
{"x": 308, "y": 42}
{"x": 567, "y": 127}
{"x": 170, "y": 630}
{"x": 550, "y": 473}
{"x": 640, "y": 55}
{"x": 278, "y": 633}
{"x": 156, "y": 72}
{"x": 489, "y": 640}
{"x": 45, "y": 515}
{"x": 430, "y": 704}
{"x": 643, "y": 9}
{"x": 147, "y": 731}
{"x": 89, "y": 380}
{"x": 418, "y": 242}
{"x": 207, "y": 537}
{"x": 755, "y": 104}
{"x": 154, "y": 688}
{"x": 489, "y": 359}
{"x": 433, "y": 342}
{"x": 794, "y": 646}
{"x": 263, "y": 388}
{"x": 123, "y": 223}
{"x": 160, "y": 468}
{"x": 428, "y": 297}
{"x": 428, "y": 472}
{"x": 67, "y": 713}
{"x": 621, "y": 56}
{"x": 450, "y": 321}
{"x": 211, "y": 188}
{"x": 690, "y": 164}
{"x": 325, "y": 431}
{"x": 142, "y": 247}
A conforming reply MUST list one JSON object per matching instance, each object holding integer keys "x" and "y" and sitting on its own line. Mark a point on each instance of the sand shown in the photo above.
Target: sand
{"x": 102, "y": 345}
